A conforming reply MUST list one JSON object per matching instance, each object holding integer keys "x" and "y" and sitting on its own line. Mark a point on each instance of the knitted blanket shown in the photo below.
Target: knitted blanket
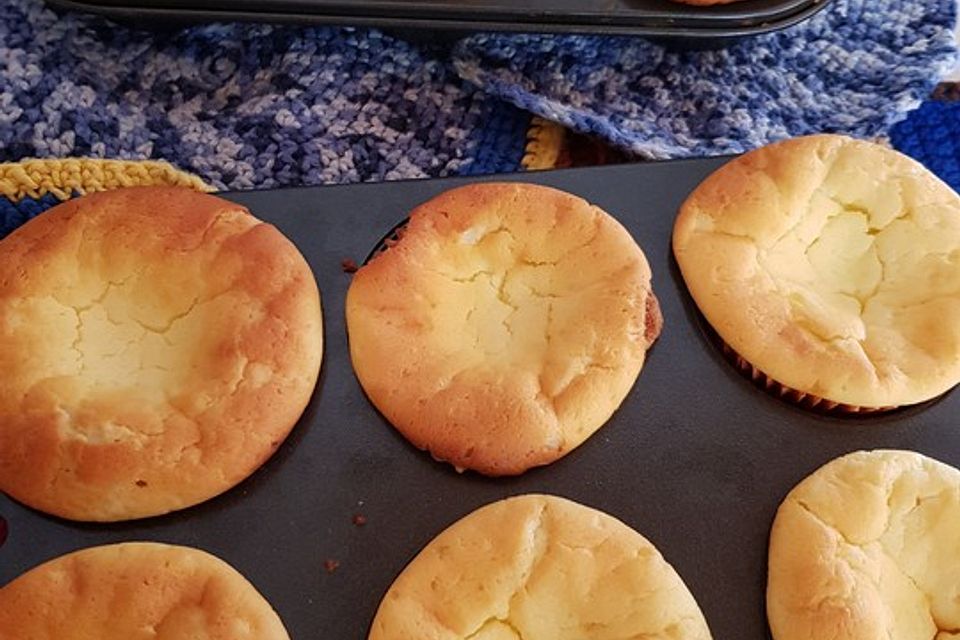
{"x": 931, "y": 134}
{"x": 857, "y": 67}
{"x": 243, "y": 105}
{"x": 257, "y": 106}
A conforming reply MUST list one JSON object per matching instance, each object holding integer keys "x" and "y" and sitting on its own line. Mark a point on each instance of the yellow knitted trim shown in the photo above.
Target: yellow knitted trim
{"x": 544, "y": 143}
{"x": 64, "y": 177}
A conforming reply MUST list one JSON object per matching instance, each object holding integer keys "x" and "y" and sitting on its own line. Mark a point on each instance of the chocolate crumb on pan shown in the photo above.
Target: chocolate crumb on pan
{"x": 348, "y": 265}
{"x": 359, "y": 519}
{"x": 331, "y": 565}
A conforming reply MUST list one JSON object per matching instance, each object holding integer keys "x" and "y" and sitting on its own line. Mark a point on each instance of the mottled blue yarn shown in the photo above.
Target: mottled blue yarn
{"x": 245, "y": 105}
{"x": 13, "y": 214}
{"x": 857, "y": 67}
{"x": 931, "y": 134}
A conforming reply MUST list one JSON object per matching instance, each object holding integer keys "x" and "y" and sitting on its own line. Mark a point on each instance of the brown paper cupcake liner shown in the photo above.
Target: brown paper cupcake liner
{"x": 389, "y": 240}
{"x": 788, "y": 394}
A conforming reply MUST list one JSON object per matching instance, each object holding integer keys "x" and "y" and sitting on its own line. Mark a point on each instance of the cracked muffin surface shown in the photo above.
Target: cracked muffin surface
{"x": 157, "y": 346}
{"x": 505, "y": 327}
{"x": 831, "y": 265}
{"x": 868, "y": 547}
{"x": 136, "y": 591}
{"x": 538, "y": 566}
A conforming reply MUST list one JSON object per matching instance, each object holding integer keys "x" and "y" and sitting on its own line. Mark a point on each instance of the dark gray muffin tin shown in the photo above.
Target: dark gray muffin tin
{"x": 681, "y": 24}
{"x": 697, "y": 459}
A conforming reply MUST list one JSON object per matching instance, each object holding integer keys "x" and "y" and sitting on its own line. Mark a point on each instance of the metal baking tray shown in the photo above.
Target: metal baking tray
{"x": 653, "y": 18}
{"x": 697, "y": 459}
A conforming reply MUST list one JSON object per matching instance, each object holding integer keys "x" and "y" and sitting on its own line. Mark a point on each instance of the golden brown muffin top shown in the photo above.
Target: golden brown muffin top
{"x": 505, "y": 327}
{"x": 868, "y": 547}
{"x": 538, "y": 566}
{"x": 136, "y": 591}
{"x": 157, "y": 346}
{"x": 833, "y": 266}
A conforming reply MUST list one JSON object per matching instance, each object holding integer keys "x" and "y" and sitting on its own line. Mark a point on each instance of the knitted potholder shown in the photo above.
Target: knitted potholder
{"x": 931, "y": 134}
{"x": 245, "y": 105}
{"x": 856, "y": 67}
{"x": 31, "y": 187}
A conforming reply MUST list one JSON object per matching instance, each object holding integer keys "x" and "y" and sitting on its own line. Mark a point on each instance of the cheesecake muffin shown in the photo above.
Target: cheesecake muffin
{"x": 538, "y": 566}
{"x": 157, "y": 345}
{"x": 136, "y": 591}
{"x": 504, "y": 327}
{"x": 830, "y": 267}
{"x": 868, "y": 547}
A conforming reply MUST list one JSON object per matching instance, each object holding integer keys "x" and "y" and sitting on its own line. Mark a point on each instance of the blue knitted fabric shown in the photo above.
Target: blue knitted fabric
{"x": 14, "y": 214}
{"x": 242, "y": 105}
{"x": 931, "y": 134}
{"x": 857, "y": 67}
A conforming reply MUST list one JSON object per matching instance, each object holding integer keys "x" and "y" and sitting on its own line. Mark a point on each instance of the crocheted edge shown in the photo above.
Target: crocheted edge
{"x": 545, "y": 140}
{"x": 35, "y": 178}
